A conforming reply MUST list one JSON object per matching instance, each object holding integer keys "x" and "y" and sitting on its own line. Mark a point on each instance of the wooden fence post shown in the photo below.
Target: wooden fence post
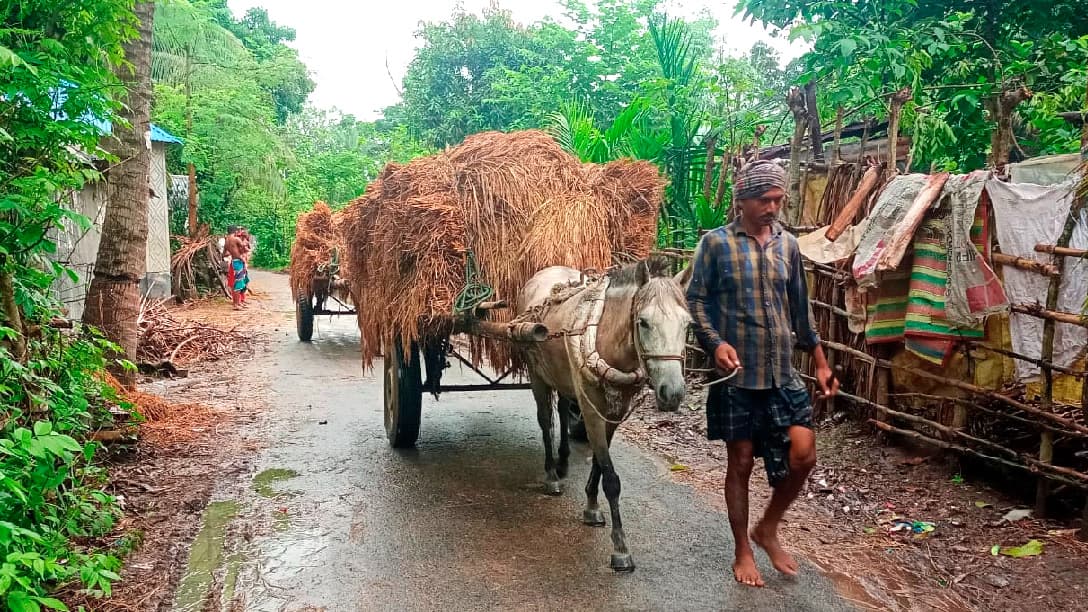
{"x": 796, "y": 102}
{"x": 1046, "y": 439}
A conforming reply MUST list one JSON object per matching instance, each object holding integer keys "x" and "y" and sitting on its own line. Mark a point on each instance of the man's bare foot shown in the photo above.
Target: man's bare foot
{"x": 745, "y": 571}
{"x": 237, "y": 307}
{"x": 767, "y": 539}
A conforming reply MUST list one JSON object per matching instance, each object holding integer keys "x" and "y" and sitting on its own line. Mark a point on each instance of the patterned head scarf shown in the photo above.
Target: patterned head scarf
{"x": 757, "y": 178}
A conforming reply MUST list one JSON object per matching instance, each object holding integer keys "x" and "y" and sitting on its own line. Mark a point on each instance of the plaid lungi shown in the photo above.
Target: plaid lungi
{"x": 763, "y": 416}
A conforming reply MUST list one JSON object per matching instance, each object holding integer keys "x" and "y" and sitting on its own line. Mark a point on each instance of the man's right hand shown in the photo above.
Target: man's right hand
{"x": 725, "y": 357}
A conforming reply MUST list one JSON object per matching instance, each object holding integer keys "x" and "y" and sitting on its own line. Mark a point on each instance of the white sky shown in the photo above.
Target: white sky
{"x": 346, "y": 44}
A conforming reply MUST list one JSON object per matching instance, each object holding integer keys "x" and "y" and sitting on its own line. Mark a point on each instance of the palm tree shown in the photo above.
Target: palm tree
{"x": 629, "y": 135}
{"x": 683, "y": 106}
{"x": 188, "y": 42}
{"x": 113, "y": 297}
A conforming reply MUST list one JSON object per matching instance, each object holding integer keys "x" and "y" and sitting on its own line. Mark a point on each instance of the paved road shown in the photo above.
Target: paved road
{"x": 460, "y": 523}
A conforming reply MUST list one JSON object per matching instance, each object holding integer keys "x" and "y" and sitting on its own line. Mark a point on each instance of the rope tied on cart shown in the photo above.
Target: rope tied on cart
{"x": 476, "y": 292}
{"x": 332, "y": 267}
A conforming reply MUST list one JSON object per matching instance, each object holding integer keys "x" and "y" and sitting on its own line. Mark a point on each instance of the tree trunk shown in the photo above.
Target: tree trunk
{"x": 815, "y": 134}
{"x": 796, "y": 102}
{"x": 711, "y": 142}
{"x": 113, "y": 299}
{"x": 900, "y": 98}
{"x": 1001, "y": 109}
{"x": 11, "y": 315}
{"x": 188, "y": 136}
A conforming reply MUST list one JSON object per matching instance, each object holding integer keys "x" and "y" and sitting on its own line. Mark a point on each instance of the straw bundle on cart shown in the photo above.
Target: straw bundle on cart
{"x": 502, "y": 205}
{"x": 630, "y": 194}
{"x": 316, "y": 241}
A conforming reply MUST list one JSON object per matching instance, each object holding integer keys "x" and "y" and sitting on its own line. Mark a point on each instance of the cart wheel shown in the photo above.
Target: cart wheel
{"x": 403, "y": 395}
{"x": 304, "y": 318}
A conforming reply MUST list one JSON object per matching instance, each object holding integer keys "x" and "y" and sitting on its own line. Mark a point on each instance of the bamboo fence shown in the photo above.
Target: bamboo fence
{"x": 995, "y": 426}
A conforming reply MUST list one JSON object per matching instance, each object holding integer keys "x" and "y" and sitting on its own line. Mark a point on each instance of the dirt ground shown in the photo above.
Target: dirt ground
{"x": 843, "y": 522}
{"x": 162, "y": 481}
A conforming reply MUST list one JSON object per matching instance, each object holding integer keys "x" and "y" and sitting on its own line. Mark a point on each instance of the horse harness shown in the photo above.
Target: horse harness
{"x": 581, "y": 340}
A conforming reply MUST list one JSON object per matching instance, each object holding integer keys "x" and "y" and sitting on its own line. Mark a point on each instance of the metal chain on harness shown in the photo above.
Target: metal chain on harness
{"x": 475, "y": 292}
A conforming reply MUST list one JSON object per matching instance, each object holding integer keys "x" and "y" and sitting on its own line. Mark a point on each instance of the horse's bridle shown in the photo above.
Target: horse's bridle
{"x": 644, "y": 356}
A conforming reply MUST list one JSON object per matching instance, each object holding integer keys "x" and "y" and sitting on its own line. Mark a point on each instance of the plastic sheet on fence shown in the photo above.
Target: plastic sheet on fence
{"x": 1026, "y": 215}
{"x": 816, "y": 247}
{"x": 1046, "y": 170}
{"x": 974, "y": 291}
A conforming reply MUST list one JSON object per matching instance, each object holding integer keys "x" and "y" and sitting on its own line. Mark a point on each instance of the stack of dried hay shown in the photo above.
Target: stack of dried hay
{"x": 630, "y": 193}
{"x": 316, "y": 239}
{"x": 517, "y": 201}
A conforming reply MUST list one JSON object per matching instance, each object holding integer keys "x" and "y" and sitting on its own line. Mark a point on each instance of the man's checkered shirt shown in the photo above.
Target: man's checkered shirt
{"x": 755, "y": 298}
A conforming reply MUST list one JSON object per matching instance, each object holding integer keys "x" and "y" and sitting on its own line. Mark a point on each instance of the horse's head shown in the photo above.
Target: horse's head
{"x": 660, "y": 318}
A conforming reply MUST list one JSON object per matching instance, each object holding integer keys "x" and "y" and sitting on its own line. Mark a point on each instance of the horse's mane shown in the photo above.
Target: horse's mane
{"x": 627, "y": 276}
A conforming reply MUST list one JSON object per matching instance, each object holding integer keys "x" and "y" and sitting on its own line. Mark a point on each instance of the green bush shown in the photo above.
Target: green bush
{"x": 51, "y": 498}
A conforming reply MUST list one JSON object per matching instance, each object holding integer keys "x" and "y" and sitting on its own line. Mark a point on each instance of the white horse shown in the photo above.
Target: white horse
{"x": 617, "y": 332}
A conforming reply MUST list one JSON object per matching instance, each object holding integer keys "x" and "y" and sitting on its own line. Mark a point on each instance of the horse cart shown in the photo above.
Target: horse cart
{"x": 318, "y": 285}
{"x": 410, "y": 373}
{"x": 326, "y": 294}
{"x": 435, "y": 247}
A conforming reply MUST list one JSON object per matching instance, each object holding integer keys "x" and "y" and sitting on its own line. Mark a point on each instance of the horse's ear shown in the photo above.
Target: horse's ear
{"x": 684, "y": 277}
{"x": 642, "y": 273}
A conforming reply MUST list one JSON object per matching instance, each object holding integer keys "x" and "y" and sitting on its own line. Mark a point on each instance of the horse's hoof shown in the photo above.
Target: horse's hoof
{"x": 593, "y": 518}
{"x": 552, "y": 488}
{"x": 622, "y": 563}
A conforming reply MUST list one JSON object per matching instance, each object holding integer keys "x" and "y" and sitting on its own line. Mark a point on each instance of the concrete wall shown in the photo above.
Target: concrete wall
{"x": 156, "y": 283}
{"x": 78, "y": 248}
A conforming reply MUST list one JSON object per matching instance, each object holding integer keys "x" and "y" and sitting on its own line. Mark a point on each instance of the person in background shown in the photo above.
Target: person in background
{"x": 234, "y": 248}
{"x": 748, "y": 297}
{"x": 247, "y": 253}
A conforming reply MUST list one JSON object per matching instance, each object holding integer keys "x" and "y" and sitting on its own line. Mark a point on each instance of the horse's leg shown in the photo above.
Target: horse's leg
{"x": 600, "y": 437}
{"x": 543, "y": 395}
{"x": 592, "y": 515}
{"x": 563, "y": 407}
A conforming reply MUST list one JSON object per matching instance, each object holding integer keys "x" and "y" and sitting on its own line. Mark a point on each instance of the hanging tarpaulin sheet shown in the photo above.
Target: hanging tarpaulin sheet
{"x": 889, "y": 211}
{"x": 974, "y": 291}
{"x": 1046, "y": 170}
{"x": 1026, "y": 215}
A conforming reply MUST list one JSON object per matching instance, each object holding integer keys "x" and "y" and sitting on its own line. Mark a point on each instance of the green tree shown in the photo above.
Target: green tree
{"x": 113, "y": 297}
{"x": 958, "y": 57}
{"x": 208, "y": 87}
{"x": 279, "y": 69}
{"x": 58, "y": 86}
{"x": 447, "y": 89}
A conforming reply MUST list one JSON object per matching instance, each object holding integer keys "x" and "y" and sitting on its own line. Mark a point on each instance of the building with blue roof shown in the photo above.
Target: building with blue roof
{"x": 78, "y": 248}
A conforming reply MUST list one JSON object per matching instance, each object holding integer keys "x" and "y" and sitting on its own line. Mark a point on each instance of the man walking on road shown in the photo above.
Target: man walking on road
{"x": 749, "y": 297}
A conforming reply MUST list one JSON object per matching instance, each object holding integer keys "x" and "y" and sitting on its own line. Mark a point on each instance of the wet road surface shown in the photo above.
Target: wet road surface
{"x": 335, "y": 519}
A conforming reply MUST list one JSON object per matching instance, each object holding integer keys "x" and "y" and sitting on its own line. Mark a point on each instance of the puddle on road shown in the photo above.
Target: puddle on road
{"x": 230, "y": 582}
{"x": 262, "y": 483}
{"x": 205, "y": 556}
{"x": 287, "y": 555}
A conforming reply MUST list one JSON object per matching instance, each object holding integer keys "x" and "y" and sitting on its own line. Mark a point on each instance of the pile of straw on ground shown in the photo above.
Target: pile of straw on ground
{"x": 315, "y": 240}
{"x": 517, "y": 201}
